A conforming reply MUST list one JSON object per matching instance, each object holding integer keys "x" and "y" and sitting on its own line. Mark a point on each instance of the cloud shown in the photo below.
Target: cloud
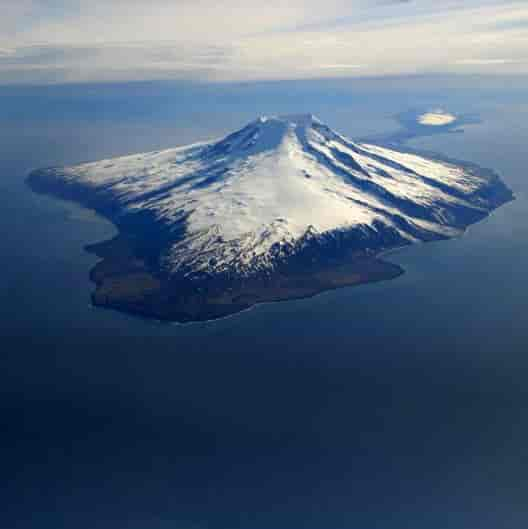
{"x": 59, "y": 40}
{"x": 485, "y": 62}
{"x": 340, "y": 66}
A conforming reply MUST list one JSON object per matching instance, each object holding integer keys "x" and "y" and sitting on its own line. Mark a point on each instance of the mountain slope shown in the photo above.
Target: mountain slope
{"x": 244, "y": 203}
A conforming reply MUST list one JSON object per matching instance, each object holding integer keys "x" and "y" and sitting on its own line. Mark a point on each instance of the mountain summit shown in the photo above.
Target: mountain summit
{"x": 278, "y": 189}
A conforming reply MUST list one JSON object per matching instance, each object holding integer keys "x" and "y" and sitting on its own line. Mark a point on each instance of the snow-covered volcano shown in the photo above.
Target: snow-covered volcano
{"x": 245, "y": 202}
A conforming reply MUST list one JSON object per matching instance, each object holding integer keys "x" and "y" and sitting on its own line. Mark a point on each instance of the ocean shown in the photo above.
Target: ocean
{"x": 392, "y": 405}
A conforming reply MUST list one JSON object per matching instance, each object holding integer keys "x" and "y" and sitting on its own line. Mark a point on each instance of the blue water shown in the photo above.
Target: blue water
{"x": 395, "y": 405}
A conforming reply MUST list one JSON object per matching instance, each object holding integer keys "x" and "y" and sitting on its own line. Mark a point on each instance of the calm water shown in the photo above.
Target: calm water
{"x": 396, "y": 405}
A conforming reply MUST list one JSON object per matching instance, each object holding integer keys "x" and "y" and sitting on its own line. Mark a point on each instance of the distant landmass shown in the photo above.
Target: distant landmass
{"x": 283, "y": 208}
{"x": 436, "y": 118}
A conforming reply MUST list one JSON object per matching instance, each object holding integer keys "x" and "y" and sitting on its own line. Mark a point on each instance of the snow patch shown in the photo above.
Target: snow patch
{"x": 436, "y": 118}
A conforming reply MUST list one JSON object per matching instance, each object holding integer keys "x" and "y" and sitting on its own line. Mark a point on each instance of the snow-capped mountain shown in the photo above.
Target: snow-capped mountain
{"x": 243, "y": 203}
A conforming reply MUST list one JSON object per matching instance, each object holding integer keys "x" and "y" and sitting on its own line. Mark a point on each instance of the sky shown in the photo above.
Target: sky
{"x": 242, "y": 40}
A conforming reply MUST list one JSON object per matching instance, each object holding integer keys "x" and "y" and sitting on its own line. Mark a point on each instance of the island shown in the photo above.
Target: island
{"x": 281, "y": 209}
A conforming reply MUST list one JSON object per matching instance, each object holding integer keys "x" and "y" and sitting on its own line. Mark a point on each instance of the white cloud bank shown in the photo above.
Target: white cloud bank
{"x": 75, "y": 40}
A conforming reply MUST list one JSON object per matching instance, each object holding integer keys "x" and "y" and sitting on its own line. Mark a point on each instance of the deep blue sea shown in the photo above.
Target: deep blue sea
{"x": 399, "y": 405}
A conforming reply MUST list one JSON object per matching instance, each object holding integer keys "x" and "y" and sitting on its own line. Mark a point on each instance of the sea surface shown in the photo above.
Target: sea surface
{"x": 397, "y": 405}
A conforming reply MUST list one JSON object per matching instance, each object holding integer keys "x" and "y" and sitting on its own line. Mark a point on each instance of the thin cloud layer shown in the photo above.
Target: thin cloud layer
{"x": 56, "y": 40}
